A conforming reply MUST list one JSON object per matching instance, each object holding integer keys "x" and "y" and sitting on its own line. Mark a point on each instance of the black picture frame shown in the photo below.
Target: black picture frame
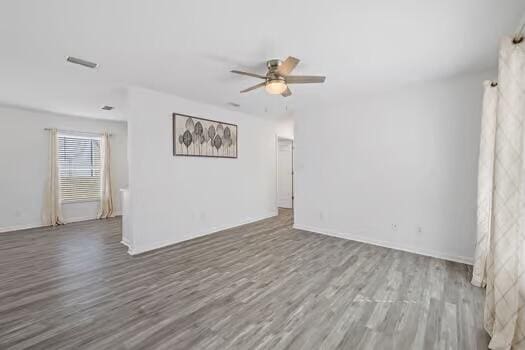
{"x": 175, "y": 140}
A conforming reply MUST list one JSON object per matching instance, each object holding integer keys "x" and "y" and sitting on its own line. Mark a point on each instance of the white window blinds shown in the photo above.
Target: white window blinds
{"x": 79, "y": 164}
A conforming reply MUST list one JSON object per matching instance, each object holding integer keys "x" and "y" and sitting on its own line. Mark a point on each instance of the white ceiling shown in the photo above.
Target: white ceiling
{"x": 189, "y": 47}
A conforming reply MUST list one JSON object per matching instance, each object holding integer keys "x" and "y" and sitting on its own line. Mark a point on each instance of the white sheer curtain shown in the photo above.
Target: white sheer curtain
{"x": 52, "y": 206}
{"x": 106, "y": 198}
{"x": 505, "y": 266}
{"x": 485, "y": 180}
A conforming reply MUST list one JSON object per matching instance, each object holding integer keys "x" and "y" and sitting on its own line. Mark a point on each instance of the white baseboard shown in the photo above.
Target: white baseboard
{"x": 78, "y": 219}
{"x": 386, "y": 244}
{"x": 39, "y": 224}
{"x": 87, "y": 218}
{"x": 141, "y": 250}
{"x": 20, "y": 227}
{"x": 127, "y": 244}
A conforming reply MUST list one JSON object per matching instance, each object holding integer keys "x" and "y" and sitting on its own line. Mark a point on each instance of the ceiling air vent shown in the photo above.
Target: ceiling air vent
{"x": 82, "y": 62}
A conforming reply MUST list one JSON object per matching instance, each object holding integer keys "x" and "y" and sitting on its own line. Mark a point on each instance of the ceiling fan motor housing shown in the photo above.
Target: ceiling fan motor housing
{"x": 272, "y": 65}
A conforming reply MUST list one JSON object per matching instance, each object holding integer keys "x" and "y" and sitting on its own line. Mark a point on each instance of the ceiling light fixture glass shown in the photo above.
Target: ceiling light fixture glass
{"x": 275, "y": 87}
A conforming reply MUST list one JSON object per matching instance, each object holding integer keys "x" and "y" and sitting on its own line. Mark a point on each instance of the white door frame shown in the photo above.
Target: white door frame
{"x": 277, "y": 139}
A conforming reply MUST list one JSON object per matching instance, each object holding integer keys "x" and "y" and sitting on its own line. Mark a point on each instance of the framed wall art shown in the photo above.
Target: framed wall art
{"x": 200, "y": 137}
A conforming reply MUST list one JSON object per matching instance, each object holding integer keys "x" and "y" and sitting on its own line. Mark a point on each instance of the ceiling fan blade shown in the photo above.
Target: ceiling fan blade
{"x": 249, "y": 74}
{"x": 288, "y": 66}
{"x": 253, "y": 87}
{"x": 304, "y": 79}
{"x": 286, "y": 92}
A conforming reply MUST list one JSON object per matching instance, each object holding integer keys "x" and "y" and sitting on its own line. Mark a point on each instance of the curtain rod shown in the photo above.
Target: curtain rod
{"x": 518, "y": 38}
{"x": 79, "y": 132}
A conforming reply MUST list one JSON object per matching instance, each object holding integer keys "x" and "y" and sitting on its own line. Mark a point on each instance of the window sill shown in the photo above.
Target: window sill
{"x": 73, "y": 201}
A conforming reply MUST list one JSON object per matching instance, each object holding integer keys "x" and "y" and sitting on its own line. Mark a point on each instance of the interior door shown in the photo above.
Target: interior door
{"x": 285, "y": 174}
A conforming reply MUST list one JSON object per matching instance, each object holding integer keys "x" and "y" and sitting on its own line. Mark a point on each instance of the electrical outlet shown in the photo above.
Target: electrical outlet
{"x": 419, "y": 229}
{"x": 321, "y": 216}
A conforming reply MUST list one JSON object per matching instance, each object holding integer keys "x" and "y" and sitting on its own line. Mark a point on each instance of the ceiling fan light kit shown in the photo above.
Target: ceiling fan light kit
{"x": 277, "y": 78}
{"x": 275, "y": 86}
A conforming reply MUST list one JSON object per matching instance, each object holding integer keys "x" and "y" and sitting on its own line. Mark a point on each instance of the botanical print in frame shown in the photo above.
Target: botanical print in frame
{"x": 199, "y": 137}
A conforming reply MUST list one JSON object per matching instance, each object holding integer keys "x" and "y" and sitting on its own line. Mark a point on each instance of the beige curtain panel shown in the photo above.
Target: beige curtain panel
{"x": 52, "y": 214}
{"x": 106, "y": 198}
{"x": 505, "y": 261}
{"x": 485, "y": 181}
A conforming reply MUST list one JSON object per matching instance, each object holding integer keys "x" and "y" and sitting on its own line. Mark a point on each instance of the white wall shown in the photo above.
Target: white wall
{"x": 406, "y": 158}
{"x": 285, "y": 127}
{"x": 173, "y": 199}
{"x": 24, "y": 164}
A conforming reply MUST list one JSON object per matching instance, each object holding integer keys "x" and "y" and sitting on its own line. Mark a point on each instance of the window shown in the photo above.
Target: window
{"x": 79, "y": 167}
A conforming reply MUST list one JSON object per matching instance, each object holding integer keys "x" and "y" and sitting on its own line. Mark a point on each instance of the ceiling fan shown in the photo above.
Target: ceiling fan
{"x": 278, "y": 77}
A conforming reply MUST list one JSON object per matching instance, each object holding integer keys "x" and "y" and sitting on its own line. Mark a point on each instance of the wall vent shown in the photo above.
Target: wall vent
{"x": 81, "y": 62}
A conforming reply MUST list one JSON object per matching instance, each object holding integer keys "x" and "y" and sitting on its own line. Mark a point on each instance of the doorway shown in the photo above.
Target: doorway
{"x": 285, "y": 173}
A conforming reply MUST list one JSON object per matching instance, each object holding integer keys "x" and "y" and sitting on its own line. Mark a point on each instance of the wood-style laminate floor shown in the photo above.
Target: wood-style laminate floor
{"x": 258, "y": 286}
